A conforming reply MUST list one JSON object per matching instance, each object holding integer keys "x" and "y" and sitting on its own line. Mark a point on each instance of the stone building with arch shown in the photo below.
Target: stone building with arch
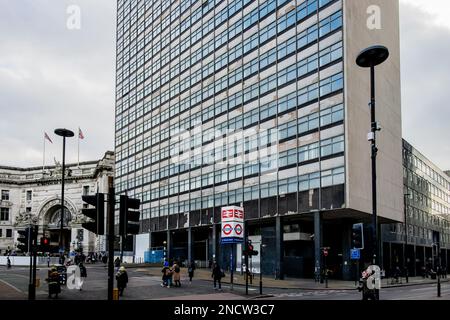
{"x": 34, "y": 195}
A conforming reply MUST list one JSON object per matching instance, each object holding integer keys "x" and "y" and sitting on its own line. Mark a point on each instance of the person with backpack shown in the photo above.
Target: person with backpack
{"x": 191, "y": 269}
{"x": 176, "y": 275}
{"x": 217, "y": 275}
{"x": 167, "y": 275}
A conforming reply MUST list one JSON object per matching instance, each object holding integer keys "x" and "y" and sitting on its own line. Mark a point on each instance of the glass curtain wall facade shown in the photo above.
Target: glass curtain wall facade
{"x": 427, "y": 204}
{"x": 216, "y": 68}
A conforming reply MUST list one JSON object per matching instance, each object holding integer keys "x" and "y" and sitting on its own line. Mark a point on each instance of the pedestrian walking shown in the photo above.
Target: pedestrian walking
{"x": 117, "y": 263}
{"x": 8, "y": 262}
{"x": 191, "y": 270}
{"x": 54, "y": 286}
{"x": 83, "y": 273}
{"x": 217, "y": 275}
{"x": 122, "y": 280}
{"x": 176, "y": 275}
{"x": 48, "y": 261}
{"x": 165, "y": 274}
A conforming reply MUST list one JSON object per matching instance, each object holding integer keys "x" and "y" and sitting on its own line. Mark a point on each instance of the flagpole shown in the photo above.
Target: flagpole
{"x": 43, "y": 159}
{"x": 78, "y": 147}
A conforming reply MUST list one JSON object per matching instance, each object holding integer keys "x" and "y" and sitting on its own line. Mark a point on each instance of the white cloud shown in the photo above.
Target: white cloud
{"x": 438, "y": 9}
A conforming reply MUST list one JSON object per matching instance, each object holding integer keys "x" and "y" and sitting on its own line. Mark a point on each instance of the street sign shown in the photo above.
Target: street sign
{"x": 232, "y": 224}
{"x": 355, "y": 254}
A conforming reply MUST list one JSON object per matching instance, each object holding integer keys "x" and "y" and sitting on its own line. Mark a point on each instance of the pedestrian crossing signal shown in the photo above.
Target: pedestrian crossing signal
{"x": 358, "y": 236}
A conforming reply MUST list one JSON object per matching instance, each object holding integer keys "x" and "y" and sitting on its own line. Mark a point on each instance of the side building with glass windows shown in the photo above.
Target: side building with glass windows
{"x": 427, "y": 216}
{"x": 259, "y": 104}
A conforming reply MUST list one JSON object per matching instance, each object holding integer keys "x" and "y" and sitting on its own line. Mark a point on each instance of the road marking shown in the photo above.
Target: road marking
{"x": 10, "y": 285}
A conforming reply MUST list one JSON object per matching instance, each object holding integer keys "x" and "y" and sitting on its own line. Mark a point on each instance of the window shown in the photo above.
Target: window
{"x": 308, "y": 152}
{"x": 85, "y": 190}
{"x": 28, "y": 209}
{"x": 332, "y": 115}
{"x": 309, "y": 181}
{"x": 287, "y": 158}
{"x": 9, "y": 233}
{"x": 332, "y": 146}
{"x": 1, "y": 233}
{"x": 4, "y": 214}
{"x": 29, "y": 195}
{"x": 5, "y": 194}
{"x": 333, "y": 177}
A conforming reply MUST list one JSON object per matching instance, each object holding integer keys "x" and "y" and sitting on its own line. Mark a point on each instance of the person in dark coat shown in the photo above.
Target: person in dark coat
{"x": 122, "y": 280}
{"x": 83, "y": 273}
{"x": 8, "y": 262}
{"x": 217, "y": 275}
{"x": 54, "y": 286}
{"x": 117, "y": 263}
{"x": 191, "y": 269}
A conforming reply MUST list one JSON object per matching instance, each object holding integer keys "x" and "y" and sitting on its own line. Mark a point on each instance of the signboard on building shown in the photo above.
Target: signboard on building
{"x": 232, "y": 224}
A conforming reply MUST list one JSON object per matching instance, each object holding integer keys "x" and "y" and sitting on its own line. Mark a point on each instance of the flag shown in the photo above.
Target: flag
{"x": 80, "y": 134}
{"x": 47, "y": 137}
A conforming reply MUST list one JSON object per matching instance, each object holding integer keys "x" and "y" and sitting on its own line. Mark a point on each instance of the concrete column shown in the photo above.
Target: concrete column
{"x": 214, "y": 242}
{"x": 317, "y": 242}
{"x": 168, "y": 245}
{"x": 390, "y": 255}
{"x": 346, "y": 261}
{"x": 279, "y": 245}
{"x": 415, "y": 262}
{"x": 424, "y": 256}
{"x": 190, "y": 243}
{"x": 150, "y": 240}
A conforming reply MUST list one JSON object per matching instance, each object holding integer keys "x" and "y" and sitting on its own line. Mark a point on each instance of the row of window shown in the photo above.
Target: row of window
{"x": 131, "y": 165}
{"x": 304, "y": 95}
{"x": 424, "y": 218}
{"x": 261, "y": 12}
{"x": 5, "y": 195}
{"x": 8, "y": 233}
{"x": 327, "y": 25}
{"x": 424, "y": 201}
{"x": 310, "y": 152}
{"x": 316, "y": 180}
{"x": 414, "y": 163}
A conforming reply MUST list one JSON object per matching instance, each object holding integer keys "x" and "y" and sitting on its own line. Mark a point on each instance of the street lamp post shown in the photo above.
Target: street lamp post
{"x": 405, "y": 256}
{"x": 65, "y": 133}
{"x": 260, "y": 267}
{"x": 369, "y": 58}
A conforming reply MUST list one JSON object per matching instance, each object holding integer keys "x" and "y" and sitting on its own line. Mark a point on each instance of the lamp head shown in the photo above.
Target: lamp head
{"x": 372, "y": 56}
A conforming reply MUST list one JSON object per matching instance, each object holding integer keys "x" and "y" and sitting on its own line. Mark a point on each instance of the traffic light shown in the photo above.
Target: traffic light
{"x": 45, "y": 244}
{"x": 96, "y": 214}
{"x": 129, "y": 220}
{"x": 357, "y": 236}
{"x": 249, "y": 250}
{"x": 24, "y": 239}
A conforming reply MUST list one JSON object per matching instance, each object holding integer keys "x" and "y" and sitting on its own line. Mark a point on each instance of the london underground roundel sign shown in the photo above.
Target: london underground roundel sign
{"x": 227, "y": 229}
{"x": 238, "y": 229}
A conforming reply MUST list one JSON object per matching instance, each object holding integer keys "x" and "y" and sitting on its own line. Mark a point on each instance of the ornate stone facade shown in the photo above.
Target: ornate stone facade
{"x": 33, "y": 195}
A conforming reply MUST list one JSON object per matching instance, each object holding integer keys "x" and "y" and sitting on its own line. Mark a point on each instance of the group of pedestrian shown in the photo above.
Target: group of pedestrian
{"x": 171, "y": 276}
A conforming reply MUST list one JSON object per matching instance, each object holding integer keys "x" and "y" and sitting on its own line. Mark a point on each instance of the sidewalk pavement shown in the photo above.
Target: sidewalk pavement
{"x": 9, "y": 292}
{"x": 288, "y": 283}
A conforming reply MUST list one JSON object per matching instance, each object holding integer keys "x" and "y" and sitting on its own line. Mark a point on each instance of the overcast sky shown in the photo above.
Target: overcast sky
{"x": 51, "y": 76}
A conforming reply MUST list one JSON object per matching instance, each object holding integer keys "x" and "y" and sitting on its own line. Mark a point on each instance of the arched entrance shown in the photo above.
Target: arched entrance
{"x": 50, "y": 216}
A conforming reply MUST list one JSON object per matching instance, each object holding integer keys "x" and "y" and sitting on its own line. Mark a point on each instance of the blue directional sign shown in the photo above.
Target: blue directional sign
{"x": 355, "y": 254}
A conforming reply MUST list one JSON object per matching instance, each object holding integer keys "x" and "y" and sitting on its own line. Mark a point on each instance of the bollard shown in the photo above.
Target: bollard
{"x": 115, "y": 294}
